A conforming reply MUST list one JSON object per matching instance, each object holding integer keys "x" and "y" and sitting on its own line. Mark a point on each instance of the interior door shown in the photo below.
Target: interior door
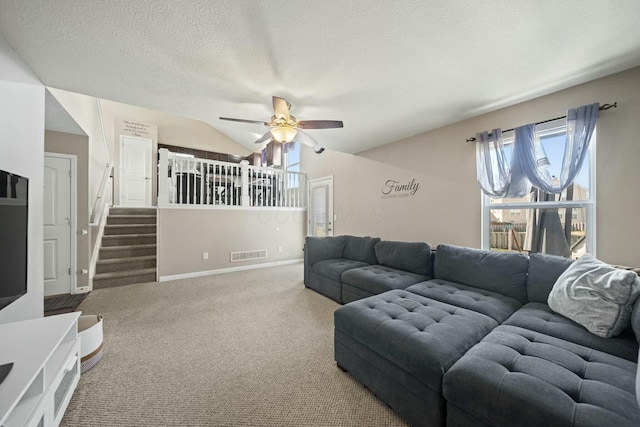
{"x": 135, "y": 171}
{"x": 320, "y": 209}
{"x": 57, "y": 226}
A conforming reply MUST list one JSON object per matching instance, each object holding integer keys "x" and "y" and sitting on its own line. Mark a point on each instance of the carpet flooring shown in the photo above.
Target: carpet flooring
{"x": 250, "y": 348}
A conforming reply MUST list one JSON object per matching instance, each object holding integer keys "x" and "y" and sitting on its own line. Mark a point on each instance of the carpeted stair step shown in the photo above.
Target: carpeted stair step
{"x": 125, "y": 264}
{"x": 131, "y": 219}
{"x": 132, "y": 211}
{"x": 127, "y": 251}
{"x": 120, "y": 278}
{"x": 129, "y": 239}
{"x": 127, "y": 229}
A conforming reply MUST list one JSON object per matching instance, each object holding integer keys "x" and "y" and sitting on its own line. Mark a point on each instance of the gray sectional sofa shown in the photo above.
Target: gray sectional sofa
{"x": 465, "y": 337}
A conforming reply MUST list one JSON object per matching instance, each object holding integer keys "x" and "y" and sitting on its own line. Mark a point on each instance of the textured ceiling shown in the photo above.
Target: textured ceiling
{"x": 389, "y": 69}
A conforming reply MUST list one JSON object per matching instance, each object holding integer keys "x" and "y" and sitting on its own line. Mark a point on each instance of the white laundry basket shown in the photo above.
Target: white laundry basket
{"x": 90, "y": 332}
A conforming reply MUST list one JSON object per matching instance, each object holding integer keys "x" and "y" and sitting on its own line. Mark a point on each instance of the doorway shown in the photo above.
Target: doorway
{"x": 135, "y": 172}
{"x": 320, "y": 210}
{"x": 59, "y": 224}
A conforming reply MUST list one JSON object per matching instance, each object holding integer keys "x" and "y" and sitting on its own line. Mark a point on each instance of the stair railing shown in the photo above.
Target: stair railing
{"x": 99, "y": 216}
{"x": 101, "y": 201}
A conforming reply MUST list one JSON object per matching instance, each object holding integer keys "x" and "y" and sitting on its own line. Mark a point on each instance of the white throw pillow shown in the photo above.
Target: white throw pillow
{"x": 596, "y": 295}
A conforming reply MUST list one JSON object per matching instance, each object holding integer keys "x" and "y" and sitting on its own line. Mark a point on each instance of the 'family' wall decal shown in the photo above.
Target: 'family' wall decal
{"x": 394, "y": 189}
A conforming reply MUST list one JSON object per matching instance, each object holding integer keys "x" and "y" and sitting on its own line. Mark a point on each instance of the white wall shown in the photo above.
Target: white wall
{"x": 446, "y": 208}
{"x": 22, "y": 152}
{"x": 84, "y": 110}
{"x": 166, "y": 129}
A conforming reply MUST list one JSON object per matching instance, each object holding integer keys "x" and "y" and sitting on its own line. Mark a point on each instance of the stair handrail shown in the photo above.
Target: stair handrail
{"x": 101, "y": 200}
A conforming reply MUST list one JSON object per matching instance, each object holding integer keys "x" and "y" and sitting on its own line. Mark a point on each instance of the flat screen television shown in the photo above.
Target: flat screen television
{"x": 14, "y": 213}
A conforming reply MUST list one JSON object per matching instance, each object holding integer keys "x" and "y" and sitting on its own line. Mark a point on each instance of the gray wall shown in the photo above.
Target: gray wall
{"x": 446, "y": 208}
{"x": 184, "y": 234}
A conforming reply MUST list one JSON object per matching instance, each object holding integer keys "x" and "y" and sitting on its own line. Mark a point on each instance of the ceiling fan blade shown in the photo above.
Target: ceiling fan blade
{"x": 263, "y": 138}
{"x": 305, "y": 139}
{"x": 281, "y": 108}
{"x": 319, "y": 124}
{"x": 244, "y": 121}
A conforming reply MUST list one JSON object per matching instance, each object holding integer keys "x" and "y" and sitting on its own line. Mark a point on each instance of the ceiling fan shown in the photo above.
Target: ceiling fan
{"x": 286, "y": 128}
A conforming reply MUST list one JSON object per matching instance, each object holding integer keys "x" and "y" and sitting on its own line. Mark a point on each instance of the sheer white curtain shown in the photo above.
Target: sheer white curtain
{"x": 529, "y": 153}
{"x": 491, "y": 164}
{"x": 498, "y": 176}
{"x": 529, "y": 165}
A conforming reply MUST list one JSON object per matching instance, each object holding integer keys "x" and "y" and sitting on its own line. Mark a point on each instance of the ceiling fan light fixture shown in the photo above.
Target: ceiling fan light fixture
{"x": 283, "y": 133}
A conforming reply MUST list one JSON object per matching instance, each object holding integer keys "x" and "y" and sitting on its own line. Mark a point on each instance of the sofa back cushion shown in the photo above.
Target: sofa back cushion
{"x": 414, "y": 257}
{"x": 321, "y": 248}
{"x": 635, "y": 322}
{"x": 501, "y": 272}
{"x": 361, "y": 249}
{"x": 544, "y": 270}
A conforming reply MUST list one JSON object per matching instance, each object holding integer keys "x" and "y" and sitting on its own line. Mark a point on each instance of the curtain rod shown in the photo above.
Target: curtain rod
{"x": 602, "y": 108}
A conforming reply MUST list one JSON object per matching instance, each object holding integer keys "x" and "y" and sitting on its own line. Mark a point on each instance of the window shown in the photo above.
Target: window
{"x": 292, "y": 164}
{"x": 540, "y": 222}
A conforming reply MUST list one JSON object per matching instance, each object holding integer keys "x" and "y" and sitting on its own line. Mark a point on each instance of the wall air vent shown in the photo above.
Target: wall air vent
{"x": 248, "y": 255}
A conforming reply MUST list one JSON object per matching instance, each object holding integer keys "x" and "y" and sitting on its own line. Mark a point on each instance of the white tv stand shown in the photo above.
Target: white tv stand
{"x": 46, "y": 368}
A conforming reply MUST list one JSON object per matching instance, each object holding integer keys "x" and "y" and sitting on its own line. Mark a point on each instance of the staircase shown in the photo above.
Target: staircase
{"x": 128, "y": 251}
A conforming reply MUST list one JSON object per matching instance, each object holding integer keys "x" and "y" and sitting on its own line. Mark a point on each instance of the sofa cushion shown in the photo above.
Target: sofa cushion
{"x": 492, "y": 304}
{"x": 596, "y": 295}
{"x": 377, "y": 279}
{"x": 322, "y": 248}
{"x": 544, "y": 270}
{"x": 519, "y": 377}
{"x": 635, "y": 319}
{"x": 326, "y": 286}
{"x": 333, "y": 268}
{"x": 361, "y": 249}
{"x": 539, "y": 317}
{"x": 421, "y": 336}
{"x": 414, "y": 257}
{"x": 501, "y": 272}
{"x": 399, "y": 345}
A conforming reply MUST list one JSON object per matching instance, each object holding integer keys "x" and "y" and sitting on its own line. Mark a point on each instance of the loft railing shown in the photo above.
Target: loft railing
{"x": 269, "y": 187}
{"x": 189, "y": 181}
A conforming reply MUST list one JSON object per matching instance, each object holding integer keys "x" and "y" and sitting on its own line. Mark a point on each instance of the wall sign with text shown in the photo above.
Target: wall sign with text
{"x": 392, "y": 189}
{"x": 135, "y": 129}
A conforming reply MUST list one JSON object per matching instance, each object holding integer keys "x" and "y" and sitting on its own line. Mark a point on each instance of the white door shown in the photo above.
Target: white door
{"x": 320, "y": 210}
{"x": 58, "y": 222}
{"x": 135, "y": 171}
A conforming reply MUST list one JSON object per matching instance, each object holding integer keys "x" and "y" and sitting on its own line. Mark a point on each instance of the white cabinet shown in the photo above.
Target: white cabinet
{"x": 45, "y": 354}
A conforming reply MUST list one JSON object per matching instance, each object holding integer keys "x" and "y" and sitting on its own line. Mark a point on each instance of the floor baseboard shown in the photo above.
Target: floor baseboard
{"x": 227, "y": 270}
